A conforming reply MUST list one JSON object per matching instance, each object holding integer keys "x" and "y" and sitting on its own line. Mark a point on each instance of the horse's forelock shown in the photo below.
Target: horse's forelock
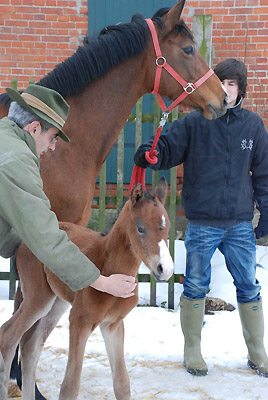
{"x": 157, "y": 17}
{"x": 181, "y": 27}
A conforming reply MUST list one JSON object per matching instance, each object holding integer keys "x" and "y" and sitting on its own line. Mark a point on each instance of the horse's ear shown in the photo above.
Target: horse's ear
{"x": 173, "y": 16}
{"x": 136, "y": 194}
{"x": 161, "y": 190}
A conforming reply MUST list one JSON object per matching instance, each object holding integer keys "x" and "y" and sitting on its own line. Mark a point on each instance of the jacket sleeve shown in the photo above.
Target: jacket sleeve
{"x": 9, "y": 240}
{"x": 25, "y": 207}
{"x": 172, "y": 146}
{"x": 259, "y": 168}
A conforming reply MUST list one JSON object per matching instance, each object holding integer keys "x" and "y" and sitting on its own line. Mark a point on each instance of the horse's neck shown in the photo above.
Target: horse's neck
{"x": 120, "y": 256}
{"x": 96, "y": 118}
{"x": 101, "y": 111}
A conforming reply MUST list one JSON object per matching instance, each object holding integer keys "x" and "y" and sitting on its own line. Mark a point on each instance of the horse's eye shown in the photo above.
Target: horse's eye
{"x": 141, "y": 229}
{"x": 189, "y": 50}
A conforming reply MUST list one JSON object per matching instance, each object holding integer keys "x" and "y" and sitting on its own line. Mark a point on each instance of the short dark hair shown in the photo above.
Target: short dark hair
{"x": 233, "y": 69}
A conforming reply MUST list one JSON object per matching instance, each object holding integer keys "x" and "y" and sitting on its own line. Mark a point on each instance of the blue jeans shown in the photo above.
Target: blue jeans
{"x": 237, "y": 244}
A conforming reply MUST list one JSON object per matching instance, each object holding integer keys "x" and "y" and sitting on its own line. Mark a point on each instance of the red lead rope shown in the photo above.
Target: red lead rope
{"x": 138, "y": 173}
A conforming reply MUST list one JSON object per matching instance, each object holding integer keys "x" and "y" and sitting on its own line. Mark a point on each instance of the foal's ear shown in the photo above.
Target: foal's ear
{"x": 173, "y": 16}
{"x": 161, "y": 190}
{"x": 136, "y": 194}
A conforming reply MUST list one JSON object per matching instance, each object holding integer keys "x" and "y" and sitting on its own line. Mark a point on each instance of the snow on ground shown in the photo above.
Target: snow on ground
{"x": 154, "y": 348}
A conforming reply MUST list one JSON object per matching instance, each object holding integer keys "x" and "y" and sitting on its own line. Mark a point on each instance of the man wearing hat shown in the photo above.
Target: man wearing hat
{"x": 33, "y": 125}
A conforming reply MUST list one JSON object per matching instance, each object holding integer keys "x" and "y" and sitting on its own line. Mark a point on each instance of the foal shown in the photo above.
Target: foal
{"x": 140, "y": 234}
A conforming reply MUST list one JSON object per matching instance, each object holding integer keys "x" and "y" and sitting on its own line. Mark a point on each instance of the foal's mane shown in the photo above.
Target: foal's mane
{"x": 114, "y": 45}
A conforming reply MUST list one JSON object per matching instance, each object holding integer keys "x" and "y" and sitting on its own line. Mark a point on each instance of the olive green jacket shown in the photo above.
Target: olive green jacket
{"x": 25, "y": 213}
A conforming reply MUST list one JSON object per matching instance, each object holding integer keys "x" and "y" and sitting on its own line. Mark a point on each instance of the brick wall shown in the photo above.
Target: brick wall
{"x": 35, "y": 35}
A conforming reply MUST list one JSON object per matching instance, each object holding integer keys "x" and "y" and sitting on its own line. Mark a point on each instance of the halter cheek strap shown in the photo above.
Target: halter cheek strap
{"x": 138, "y": 174}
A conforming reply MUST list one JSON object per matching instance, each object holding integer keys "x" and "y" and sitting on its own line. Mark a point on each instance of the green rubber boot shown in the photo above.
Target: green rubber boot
{"x": 192, "y": 315}
{"x": 251, "y": 316}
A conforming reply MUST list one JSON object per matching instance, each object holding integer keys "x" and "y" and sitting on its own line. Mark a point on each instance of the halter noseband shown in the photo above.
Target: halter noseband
{"x": 161, "y": 63}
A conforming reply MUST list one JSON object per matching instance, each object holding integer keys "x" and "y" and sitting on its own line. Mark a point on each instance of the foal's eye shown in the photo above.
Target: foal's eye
{"x": 189, "y": 50}
{"x": 141, "y": 229}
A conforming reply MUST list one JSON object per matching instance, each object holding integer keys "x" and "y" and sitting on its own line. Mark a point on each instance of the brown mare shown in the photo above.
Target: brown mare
{"x": 102, "y": 82}
{"x": 139, "y": 234}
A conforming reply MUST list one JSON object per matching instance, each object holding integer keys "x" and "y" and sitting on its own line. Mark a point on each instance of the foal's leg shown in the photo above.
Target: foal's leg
{"x": 11, "y": 332}
{"x": 32, "y": 344}
{"x": 80, "y": 329}
{"x": 113, "y": 335}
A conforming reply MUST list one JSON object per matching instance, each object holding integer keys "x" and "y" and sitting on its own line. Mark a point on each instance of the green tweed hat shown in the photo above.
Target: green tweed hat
{"x": 45, "y": 103}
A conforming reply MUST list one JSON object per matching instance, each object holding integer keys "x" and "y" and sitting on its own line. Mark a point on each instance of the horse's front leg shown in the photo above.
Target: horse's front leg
{"x": 32, "y": 344}
{"x": 80, "y": 329}
{"x": 113, "y": 335}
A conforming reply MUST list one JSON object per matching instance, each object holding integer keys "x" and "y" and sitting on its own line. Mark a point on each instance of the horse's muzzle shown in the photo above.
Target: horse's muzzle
{"x": 161, "y": 275}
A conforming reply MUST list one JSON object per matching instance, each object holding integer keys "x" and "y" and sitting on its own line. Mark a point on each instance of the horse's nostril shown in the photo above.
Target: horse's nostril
{"x": 160, "y": 269}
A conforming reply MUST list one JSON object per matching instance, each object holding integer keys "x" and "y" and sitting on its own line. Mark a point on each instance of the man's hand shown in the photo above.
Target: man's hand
{"x": 117, "y": 285}
{"x": 139, "y": 157}
{"x": 262, "y": 228}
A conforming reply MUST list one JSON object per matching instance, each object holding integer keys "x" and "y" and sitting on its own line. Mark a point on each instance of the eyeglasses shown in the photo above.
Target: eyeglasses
{"x": 54, "y": 139}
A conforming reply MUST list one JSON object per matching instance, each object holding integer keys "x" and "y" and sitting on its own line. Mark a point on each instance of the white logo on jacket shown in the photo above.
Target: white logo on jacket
{"x": 247, "y": 144}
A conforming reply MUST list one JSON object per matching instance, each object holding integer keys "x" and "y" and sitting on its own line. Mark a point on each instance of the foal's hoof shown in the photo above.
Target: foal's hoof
{"x": 197, "y": 372}
{"x": 262, "y": 371}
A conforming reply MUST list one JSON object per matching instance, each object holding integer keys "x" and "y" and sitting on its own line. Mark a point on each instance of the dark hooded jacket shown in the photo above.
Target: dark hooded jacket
{"x": 225, "y": 164}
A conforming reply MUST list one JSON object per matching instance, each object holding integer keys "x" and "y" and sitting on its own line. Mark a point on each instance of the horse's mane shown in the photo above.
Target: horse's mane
{"x": 114, "y": 45}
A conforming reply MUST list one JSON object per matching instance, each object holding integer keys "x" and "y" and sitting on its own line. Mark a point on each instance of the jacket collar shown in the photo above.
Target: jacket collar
{"x": 235, "y": 111}
{"x": 22, "y": 134}
{"x": 237, "y": 108}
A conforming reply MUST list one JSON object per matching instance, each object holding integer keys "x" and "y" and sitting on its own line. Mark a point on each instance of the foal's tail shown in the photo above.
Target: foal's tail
{"x": 15, "y": 372}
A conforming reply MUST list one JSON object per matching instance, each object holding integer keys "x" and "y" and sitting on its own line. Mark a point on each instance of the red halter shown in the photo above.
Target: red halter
{"x": 162, "y": 63}
{"x": 138, "y": 174}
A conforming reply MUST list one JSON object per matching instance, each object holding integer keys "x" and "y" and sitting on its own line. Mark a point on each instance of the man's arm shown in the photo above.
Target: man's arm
{"x": 171, "y": 147}
{"x": 26, "y": 208}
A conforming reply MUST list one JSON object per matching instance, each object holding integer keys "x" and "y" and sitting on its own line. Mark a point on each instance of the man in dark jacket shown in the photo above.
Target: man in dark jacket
{"x": 225, "y": 174}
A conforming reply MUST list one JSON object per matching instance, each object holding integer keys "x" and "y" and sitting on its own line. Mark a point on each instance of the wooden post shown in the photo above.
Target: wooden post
{"x": 120, "y": 169}
{"x": 202, "y": 31}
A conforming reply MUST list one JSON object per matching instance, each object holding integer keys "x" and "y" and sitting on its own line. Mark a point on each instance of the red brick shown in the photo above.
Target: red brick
{"x": 56, "y": 11}
{"x": 241, "y": 11}
{"x": 39, "y": 3}
{"x": 52, "y": 3}
{"x": 241, "y": 3}
{"x": 261, "y": 10}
